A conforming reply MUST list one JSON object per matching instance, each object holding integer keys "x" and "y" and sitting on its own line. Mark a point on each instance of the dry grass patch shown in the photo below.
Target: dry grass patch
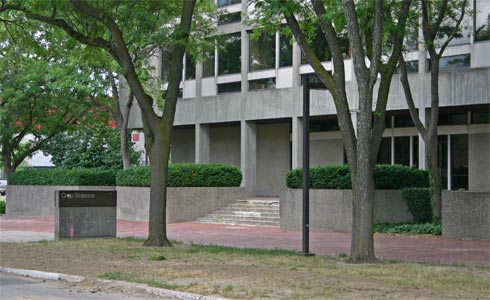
{"x": 248, "y": 273}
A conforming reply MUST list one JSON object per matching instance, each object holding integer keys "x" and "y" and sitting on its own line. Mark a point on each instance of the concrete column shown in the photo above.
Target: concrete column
{"x": 198, "y": 79}
{"x": 248, "y": 155}
{"x": 296, "y": 65}
{"x": 297, "y": 143}
{"x": 244, "y": 51}
{"x": 202, "y": 143}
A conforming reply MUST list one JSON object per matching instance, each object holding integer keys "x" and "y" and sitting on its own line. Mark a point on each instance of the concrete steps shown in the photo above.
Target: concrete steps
{"x": 249, "y": 212}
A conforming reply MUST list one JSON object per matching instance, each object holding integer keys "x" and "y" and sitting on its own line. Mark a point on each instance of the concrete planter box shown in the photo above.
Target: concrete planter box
{"x": 183, "y": 204}
{"x": 38, "y": 200}
{"x": 331, "y": 210}
{"x": 466, "y": 215}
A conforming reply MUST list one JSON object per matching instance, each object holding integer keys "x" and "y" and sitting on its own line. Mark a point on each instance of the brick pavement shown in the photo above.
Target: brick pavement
{"x": 408, "y": 248}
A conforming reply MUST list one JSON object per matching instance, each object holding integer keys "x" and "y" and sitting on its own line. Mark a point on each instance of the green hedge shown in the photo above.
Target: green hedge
{"x": 75, "y": 177}
{"x": 386, "y": 177}
{"x": 419, "y": 203}
{"x": 185, "y": 175}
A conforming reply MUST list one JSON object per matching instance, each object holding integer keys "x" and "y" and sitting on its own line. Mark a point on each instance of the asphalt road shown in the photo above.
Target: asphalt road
{"x": 14, "y": 287}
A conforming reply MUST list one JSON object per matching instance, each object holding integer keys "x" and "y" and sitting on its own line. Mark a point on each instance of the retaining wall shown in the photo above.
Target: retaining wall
{"x": 331, "y": 210}
{"x": 183, "y": 204}
{"x": 466, "y": 215}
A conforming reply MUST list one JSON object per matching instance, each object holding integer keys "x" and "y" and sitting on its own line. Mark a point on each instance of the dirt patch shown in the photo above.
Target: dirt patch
{"x": 244, "y": 274}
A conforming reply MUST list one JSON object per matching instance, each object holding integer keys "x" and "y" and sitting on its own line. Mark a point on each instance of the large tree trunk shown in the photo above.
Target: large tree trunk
{"x": 434, "y": 176}
{"x": 157, "y": 233}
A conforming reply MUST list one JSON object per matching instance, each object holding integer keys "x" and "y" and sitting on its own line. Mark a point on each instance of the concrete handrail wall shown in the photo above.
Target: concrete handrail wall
{"x": 183, "y": 204}
{"x": 331, "y": 210}
{"x": 466, "y": 215}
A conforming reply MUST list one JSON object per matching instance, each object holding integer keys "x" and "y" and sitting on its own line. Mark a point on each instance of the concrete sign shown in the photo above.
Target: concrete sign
{"x": 81, "y": 213}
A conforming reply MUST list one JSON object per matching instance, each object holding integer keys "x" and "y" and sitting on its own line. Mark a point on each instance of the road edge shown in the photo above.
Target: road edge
{"x": 142, "y": 287}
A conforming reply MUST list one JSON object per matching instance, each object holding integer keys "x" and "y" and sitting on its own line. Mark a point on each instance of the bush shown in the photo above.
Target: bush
{"x": 185, "y": 175}
{"x": 75, "y": 177}
{"x": 434, "y": 228}
{"x": 386, "y": 177}
{"x": 419, "y": 203}
{"x": 2, "y": 207}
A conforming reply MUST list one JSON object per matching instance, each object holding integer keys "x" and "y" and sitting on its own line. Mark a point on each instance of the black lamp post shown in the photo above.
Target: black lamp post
{"x": 306, "y": 167}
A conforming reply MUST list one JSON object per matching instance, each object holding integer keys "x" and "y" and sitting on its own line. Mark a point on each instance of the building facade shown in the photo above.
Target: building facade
{"x": 243, "y": 106}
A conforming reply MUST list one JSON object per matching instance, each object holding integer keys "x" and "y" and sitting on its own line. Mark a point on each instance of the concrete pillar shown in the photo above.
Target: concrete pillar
{"x": 202, "y": 143}
{"x": 248, "y": 155}
{"x": 244, "y": 51}
{"x": 297, "y": 143}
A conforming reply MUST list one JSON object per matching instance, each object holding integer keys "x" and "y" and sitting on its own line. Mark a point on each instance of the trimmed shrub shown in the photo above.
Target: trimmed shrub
{"x": 386, "y": 177}
{"x": 2, "y": 207}
{"x": 185, "y": 175}
{"x": 75, "y": 177}
{"x": 419, "y": 203}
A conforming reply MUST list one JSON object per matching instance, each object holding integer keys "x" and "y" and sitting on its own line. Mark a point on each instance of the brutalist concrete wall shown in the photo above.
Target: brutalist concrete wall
{"x": 183, "y": 204}
{"x": 466, "y": 215}
{"x": 331, "y": 210}
{"x": 37, "y": 200}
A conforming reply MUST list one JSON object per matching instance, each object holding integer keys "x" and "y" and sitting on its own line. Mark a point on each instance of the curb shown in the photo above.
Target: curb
{"x": 141, "y": 287}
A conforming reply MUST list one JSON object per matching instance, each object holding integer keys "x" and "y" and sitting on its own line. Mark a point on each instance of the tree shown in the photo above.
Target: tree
{"x": 118, "y": 27}
{"x": 40, "y": 95}
{"x": 375, "y": 32}
{"x": 441, "y": 23}
{"x": 95, "y": 146}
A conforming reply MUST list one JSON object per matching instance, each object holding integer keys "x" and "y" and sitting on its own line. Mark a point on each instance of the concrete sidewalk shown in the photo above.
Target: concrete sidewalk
{"x": 408, "y": 248}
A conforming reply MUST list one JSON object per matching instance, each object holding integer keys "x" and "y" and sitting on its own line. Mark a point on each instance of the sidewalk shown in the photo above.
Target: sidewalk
{"x": 408, "y": 248}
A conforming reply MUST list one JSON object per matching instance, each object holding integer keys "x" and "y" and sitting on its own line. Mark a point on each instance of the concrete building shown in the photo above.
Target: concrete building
{"x": 244, "y": 107}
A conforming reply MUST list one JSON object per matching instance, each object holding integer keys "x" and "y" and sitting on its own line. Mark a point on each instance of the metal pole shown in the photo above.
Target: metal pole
{"x": 306, "y": 167}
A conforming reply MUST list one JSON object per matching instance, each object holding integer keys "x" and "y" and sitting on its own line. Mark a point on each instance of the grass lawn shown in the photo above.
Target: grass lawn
{"x": 248, "y": 273}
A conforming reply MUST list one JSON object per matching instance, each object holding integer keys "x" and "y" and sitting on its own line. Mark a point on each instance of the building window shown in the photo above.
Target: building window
{"x": 403, "y": 121}
{"x": 320, "y": 48}
{"x": 412, "y": 67}
{"x": 190, "y": 67}
{"x": 230, "y": 18}
{"x": 402, "y": 150}
{"x": 231, "y": 87}
{"x": 260, "y": 84}
{"x": 262, "y": 52}
{"x": 384, "y": 153}
{"x": 459, "y": 161}
{"x": 229, "y": 56}
{"x": 208, "y": 63}
{"x": 482, "y": 20}
{"x": 222, "y": 3}
{"x": 453, "y": 62}
{"x": 324, "y": 125}
{"x": 480, "y": 115}
{"x": 453, "y": 118}
{"x": 285, "y": 51}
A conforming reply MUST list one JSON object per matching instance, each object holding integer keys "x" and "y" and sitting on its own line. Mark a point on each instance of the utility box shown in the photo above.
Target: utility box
{"x": 85, "y": 214}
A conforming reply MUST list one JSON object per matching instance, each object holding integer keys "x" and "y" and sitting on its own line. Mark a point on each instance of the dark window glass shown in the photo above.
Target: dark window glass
{"x": 315, "y": 81}
{"x": 324, "y": 125}
{"x": 190, "y": 67}
{"x": 165, "y": 65}
{"x": 227, "y": 2}
{"x": 453, "y": 62}
{"x": 384, "y": 154}
{"x": 180, "y": 94}
{"x": 480, "y": 116}
{"x": 230, "y": 18}
{"x": 412, "y": 67}
{"x": 229, "y": 55}
{"x": 402, "y": 150}
{"x": 262, "y": 52}
{"x": 285, "y": 52}
{"x": 482, "y": 20}
{"x": 449, "y": 118}
{"x": 260, "y": 84}
{"x": 320, "y": 48}
{"x": 459, "y": 161}
{"x": 415, "y": 151}
{"x": 208, "y": 63}
{"x": 403, "y": 121}
{"x": 442, "y": 158}
{"x": 231, "y": 87}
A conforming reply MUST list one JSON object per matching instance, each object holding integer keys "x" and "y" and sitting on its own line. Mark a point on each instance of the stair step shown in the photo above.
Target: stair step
{"x": 246, "y": 212}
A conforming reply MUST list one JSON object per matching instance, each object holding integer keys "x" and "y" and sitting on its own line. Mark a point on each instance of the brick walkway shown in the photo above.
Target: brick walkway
{"x": 419, "y": 249}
